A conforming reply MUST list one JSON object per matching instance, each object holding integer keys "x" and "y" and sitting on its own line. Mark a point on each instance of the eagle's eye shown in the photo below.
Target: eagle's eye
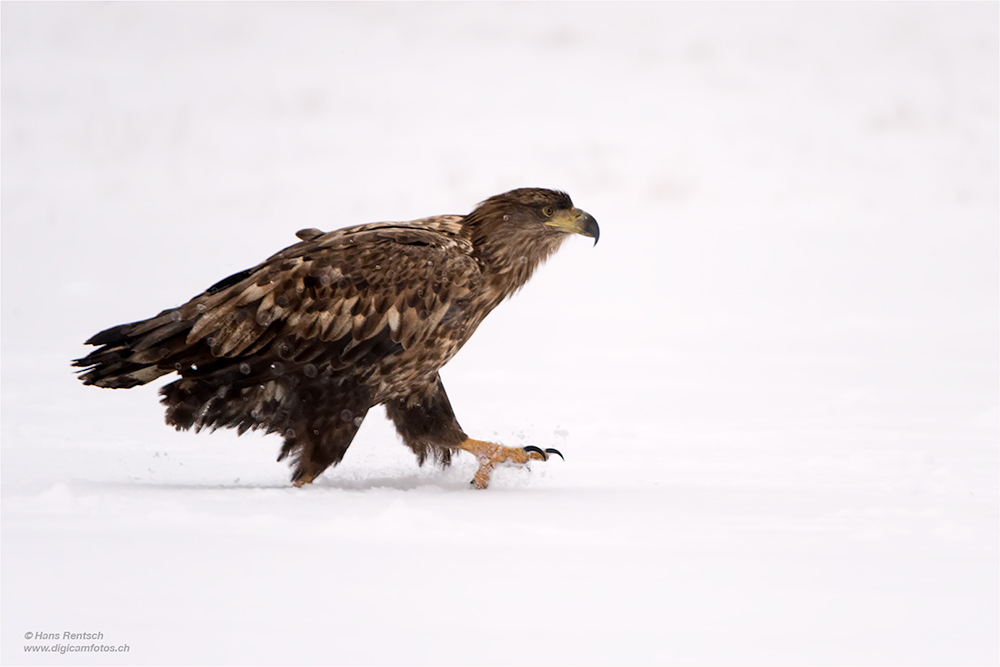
{"x": 547, "y": 211}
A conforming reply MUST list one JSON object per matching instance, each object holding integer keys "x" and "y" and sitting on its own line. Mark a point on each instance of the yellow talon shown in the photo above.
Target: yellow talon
{"x": 302, "y": 481}
{"x": 490, "y": 454}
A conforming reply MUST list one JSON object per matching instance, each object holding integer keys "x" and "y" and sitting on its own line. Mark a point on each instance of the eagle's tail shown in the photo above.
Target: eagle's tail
{"x": 211, "y": 392}
{"x": 133, "y": 354}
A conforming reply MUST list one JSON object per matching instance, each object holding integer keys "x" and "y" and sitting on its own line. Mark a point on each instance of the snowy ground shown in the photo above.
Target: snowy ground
{"x": 775, "y": 379}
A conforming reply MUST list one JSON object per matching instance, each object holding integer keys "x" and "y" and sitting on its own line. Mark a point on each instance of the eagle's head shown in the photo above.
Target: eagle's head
{"x": 535, "y": 211}
{"x": 515, "y": 231}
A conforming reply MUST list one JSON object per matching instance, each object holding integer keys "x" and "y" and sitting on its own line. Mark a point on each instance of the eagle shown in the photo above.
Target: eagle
{"x": 305, "y": 343}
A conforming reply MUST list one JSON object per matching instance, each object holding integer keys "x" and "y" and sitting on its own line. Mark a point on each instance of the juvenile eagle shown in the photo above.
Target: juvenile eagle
{"x": 305, "y": 343}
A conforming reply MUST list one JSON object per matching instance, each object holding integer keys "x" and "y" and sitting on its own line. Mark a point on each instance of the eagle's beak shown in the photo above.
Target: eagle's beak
{"x": 575, "y": 221}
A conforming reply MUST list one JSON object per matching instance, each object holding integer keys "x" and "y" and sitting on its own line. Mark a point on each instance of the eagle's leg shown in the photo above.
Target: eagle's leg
{"x": 318, "y": 438}
{"x": 491, "y": 454}
{"x": 427, "y": 425}
{"x": 313, "y": 452}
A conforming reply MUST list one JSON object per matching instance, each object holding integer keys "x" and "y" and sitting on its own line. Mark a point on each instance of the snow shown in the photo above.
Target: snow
{"x": 775, "y": 380}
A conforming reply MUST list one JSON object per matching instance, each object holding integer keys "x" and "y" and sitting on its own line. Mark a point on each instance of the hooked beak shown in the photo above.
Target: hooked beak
{"x": 575, "y": 221}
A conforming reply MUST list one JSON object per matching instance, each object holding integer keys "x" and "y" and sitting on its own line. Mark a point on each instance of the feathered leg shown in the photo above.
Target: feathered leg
{"x": 427, "y": 424}
{"x": 320, "y": 432}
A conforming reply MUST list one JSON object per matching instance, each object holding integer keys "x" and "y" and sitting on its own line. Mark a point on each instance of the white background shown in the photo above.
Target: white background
{"x": 775, "y": 380}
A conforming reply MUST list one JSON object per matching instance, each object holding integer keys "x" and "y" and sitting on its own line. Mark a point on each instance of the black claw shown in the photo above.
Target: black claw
{"x": 557, "y": 452}
{"x": 532, "y": 448}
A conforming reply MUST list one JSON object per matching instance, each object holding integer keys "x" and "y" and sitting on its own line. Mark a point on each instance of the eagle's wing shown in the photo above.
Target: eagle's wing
{"x": 357, "y": 281}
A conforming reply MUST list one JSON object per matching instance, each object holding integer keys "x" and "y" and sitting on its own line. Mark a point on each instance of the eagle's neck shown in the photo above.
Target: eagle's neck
{"x": 508, "y": 257}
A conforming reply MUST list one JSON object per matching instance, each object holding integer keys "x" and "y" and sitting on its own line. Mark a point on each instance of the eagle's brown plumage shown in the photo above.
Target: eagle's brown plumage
{"x": 306, "y": 342}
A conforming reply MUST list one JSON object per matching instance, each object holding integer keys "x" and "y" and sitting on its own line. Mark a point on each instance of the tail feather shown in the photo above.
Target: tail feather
{"x": 113, "y": 335}
{"x": 134, "y": 354}
{"x": 161, "y": 334}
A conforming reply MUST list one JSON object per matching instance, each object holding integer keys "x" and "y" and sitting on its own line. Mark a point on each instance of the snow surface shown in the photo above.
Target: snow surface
{"x": 775, "y": 379}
